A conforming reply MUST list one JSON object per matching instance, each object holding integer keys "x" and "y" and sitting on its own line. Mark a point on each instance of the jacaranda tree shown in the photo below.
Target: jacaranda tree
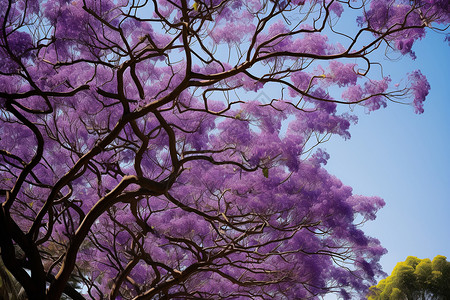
{"x": 140, "y": 158}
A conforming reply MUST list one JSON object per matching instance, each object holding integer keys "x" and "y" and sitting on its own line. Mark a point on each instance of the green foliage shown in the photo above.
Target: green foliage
{"x": 417, "y": 279}
{"x": 265, "y": 172}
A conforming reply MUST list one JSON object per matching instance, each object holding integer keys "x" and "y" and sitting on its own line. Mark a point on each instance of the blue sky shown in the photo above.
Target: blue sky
{"x": 405, "y": 159}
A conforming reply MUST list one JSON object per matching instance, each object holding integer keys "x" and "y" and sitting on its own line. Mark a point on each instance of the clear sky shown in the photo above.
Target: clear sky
{"x": 405, "y": 159}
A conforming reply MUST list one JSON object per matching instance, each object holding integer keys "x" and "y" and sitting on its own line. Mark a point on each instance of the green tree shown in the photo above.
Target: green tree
{"x": 415, "y": 279}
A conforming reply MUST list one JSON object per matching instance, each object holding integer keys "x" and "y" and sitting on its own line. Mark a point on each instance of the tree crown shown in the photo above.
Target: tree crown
{"x": 167, "y": 149}
{"x": 415, "y": 279}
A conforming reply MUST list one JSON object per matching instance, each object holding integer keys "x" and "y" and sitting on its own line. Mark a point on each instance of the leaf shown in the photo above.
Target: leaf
{"x": 238, "y": 115}
{"x": 195, "y": 5}
{"x": 265, "y": 172}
